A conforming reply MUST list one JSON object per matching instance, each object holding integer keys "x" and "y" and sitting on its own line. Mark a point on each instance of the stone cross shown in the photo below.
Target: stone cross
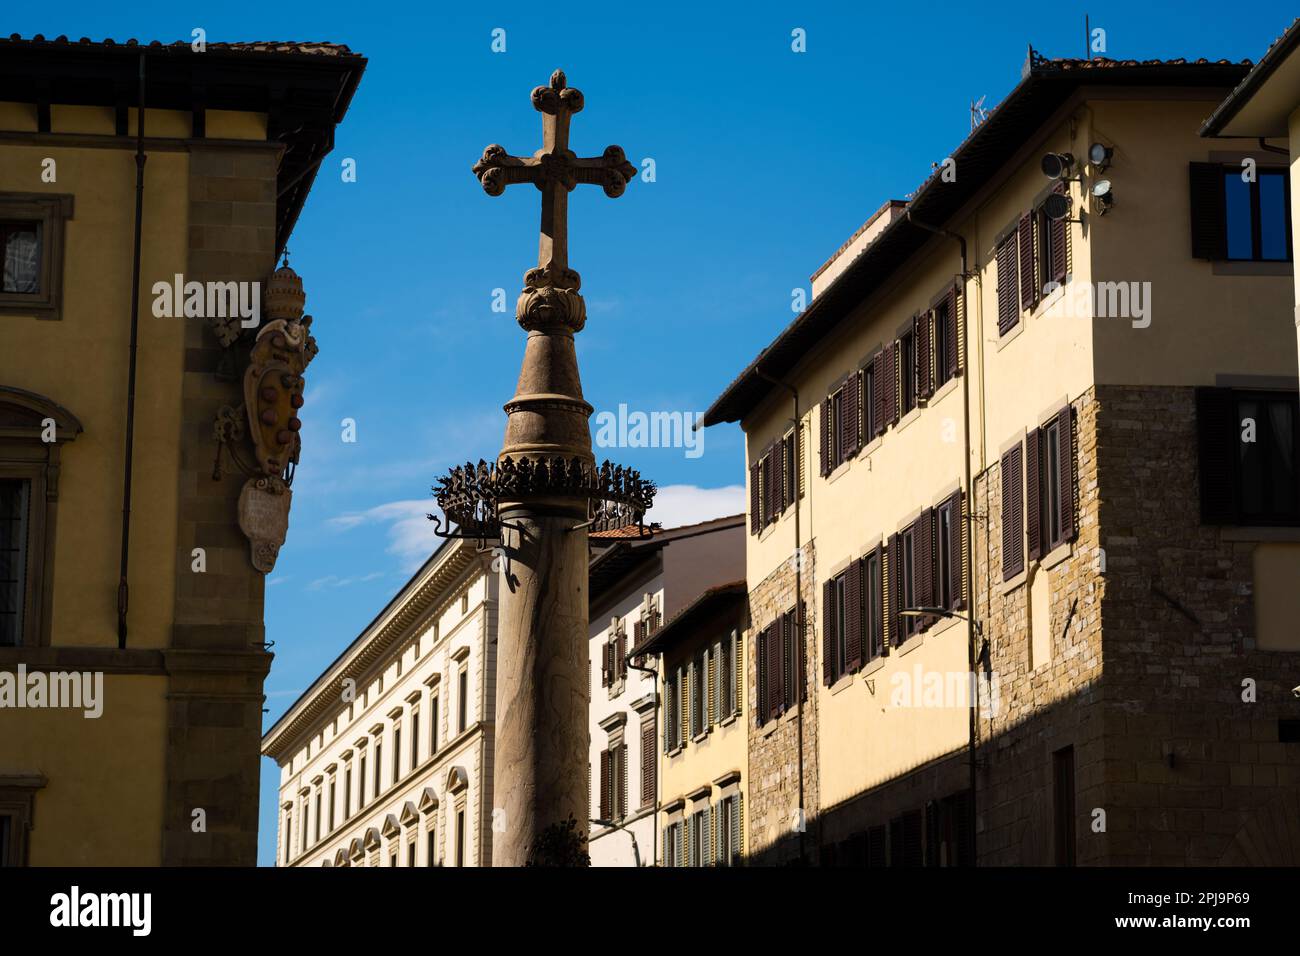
{"x": 555, "y": 170}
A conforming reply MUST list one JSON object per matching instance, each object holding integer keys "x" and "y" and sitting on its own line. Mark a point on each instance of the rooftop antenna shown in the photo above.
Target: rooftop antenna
{"x": 978, "y": 113}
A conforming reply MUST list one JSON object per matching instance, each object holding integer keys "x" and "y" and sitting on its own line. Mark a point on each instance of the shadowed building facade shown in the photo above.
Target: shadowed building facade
{"x": 103, "y": 411}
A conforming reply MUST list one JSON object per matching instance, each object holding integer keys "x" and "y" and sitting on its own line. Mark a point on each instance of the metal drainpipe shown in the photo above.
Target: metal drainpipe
{"x": 798, "y": 595}
{"x": 975, "y": 629}
{"x": 130, "y": 388}
{"x": 654, "y": 829}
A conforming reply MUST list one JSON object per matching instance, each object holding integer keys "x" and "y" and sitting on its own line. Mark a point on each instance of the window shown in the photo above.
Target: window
{"x": 873, "y": 607}
{"x": 871, "y": 423}
{"x": 775, "y": 481}
{"x": 1013, "y": 528}
{"x": 431, "y": 847}
{"x": 943, "y": 558}
{"x": 415, "y": 737}
{"x": 838, "y": 622}
{"x": 672, "y": 716}
{"x": 946, "y": 355}
{"x": 379, "y": 762}
{"x": 730, "y": 831}
{"x": 907, "y": 582}
{"x": 1050, "y": 485}
{"x": 20, "y": 243}
{"x": 410, "y": 853}
{"x": 464, "y": 603}
{"x": 1239, "y": 220}
{"x": 1063, "y": 805}
{"x": 397, "y": 751}
{"x": 347, "y": 793}
{"x": 433, "y": 724}
{"x": 1008, "y": 282}
{"x": 361, "y": 782}
{"x": 329, "y": 823}
{"x": 699, "y": 853}
{"x": 673, "y": 845}
{"x": 905, "y": 840}
{"x": 305, "y": 830}
{"x": 392, "y": 859}
{"x": 462, "y": 701}
{"x": 614, "y": 660}
{"x": 1248, "y": 441}
{"x": 460, "y": 837}
{"x": 613, "y": 781}
{"x": 727, "y": 652}
{"x": 288, "y": 833}
{"x": 698, "y": 701}
{"x": 781, "y": 664}
{"x": 907, "y": 349}
{"x": 15, "y": 494}
{"x": 649, "y": 759}
{"x": 31, "y": 253}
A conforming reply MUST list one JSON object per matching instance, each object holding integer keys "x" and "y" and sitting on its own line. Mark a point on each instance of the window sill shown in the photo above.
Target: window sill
{"x": 840, "y": 470}
{"x": 1045, "y": 305}
{"x": 907, "y": 419}
{"x": 873, "y": 665}
{"x": 869, "y": 448}
{"x": 1006, "y": 587}
{"x": 1004, "y": 340}
{"x": 1259, "y": 533}
{"x": 1247, "y": 267}
{"x": 911, "y": 644}
{"x": 942, "y": 391}
{"x": 1054, "y": 557}
{"x": 700, "y": 737}
{"x": 727, "y": 721}
{"x": 842, "y": 684}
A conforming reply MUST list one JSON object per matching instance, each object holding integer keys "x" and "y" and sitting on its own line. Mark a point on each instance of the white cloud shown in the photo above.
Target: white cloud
{"x": 334, "y": 581}
{"x": 690, "y": 504}
{"x": 410, "y": 533}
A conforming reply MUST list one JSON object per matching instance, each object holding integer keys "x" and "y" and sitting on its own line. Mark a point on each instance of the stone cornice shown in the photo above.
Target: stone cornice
{"x": 426, "y": 593}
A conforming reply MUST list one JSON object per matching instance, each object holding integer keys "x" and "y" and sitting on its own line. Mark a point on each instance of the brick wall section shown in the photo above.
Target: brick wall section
{"x": 1174, "y": 684}
{"x": 1133, "y": 679}
{"x": 772, "y": 794}
{"x": 216, "y": 663}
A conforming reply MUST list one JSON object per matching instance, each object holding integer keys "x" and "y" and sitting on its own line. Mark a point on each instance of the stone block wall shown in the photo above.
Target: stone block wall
{"x": 772, "y": 799}
{"x": 217, "y": 662}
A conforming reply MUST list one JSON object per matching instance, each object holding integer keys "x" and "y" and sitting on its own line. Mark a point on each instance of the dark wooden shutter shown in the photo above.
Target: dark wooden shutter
{"x": 1013, "y": 513}
{"x": 889, "y": 382}
{"x": 1066, "y": 472}
{"x": 933, "y": 833}
{"x": 954, "y": 346}
{"x": 799, "y": 458}
{"x": 1008, "y": 286}
{"x": 755, "y": 512}
{"x": 1058, "y": 236}
{"x": 878, "y": 608}
{"x": 620, "y": 656}
{"x": 786, "y": 469}
{"x": 1034, "y": 493}
{"x": 761, "y": 678}
{"x": 923, "y": 536}
{"x": 876, "y": 846}
{"x": 1208, "y": 211}
{"x": 853, "y": 614}
{"x": 828, "y": 633}
{"x": 851, "y": 421}
{"x": 956, "y": 551}
{"x": 1028, "y": 279}
{"x": 796, "y": 618}
{"x": 1217, "y": 435}
{"x": 775, "y": 682}
{"x": 825, "y": 431}
{"x": 605, "y": 677}
{"x": 893, "y": 584}
{"x": 876, "y": 397}
{"x": 924, "y": 354}
{"x": 772, "y": 486}
{"x": 604, "y": 785}
{"x": 649, "y": 763}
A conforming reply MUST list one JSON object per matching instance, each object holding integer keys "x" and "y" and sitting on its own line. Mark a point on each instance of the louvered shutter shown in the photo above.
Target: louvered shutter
{"x": 692, "y": 838}
{"x": 956, "y": 551}
{"x": 681, "y": 834}
{"x": 1209, "y": 216}
{"x": 800, "y": 480}
{"x": 649, "y": 765}
{"x": 738, "y": 826}
{"x": 828, "y": 633}
{"x": 876, "y": 397}
{"x": 1058, "y": 237}
{"x": 622, "y": 781}
{"x": 876, "y": 847}
{"x": 1028, "y": 279}
{"x": 755, "y": 512}
{"x": 1008, "y": 286}
{"x": 604, "y": 785}
{"x": 683, "y": 705}
{"x": 825, "y": 433}
{"x": 669, "y": 692}
{"x": 932, "y": 833}
{"x": 775, "y": 675}
{"x": 706, "y": 836}
{"x": 620, "y": 656}
{"x": 893, "y": 583}
{"x": 1013, "y": 514}
{"x": 738, "y": 669}
{"x": 955, "y": 344}
{"x": 604, "y": 664}
{"x": 853, "y": 614}
{"x": 796, "y": 618}
{"x": 924, "y": 354}
{"x": 761, "y": 679}
{"x": 1065, "y": 462}
{"x": 881, "y": 601}
{"x": 772, "y": 482}
{"x": 1217, "y": 434}
{"x": 1033, "y": 494}
{"x": 711, "y": 676}
{"x": 923, "y": 542}
{"x": 851, "y": 421}
{"x": 889, "y": 384}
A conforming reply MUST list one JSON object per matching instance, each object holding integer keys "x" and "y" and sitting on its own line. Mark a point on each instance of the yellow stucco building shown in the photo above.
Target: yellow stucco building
{"x": 151, "y": 632}
{"x": 1023, "y": 502}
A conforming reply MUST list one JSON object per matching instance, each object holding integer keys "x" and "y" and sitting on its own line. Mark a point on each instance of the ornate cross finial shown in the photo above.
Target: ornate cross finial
{"x": 555, "y": 170}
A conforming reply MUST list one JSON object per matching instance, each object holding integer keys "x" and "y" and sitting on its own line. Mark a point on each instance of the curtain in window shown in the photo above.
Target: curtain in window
{"x": 21, "y": 262}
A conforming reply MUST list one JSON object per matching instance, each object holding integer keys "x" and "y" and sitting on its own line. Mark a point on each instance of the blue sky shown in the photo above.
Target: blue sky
{"x": 765, "y": 160}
